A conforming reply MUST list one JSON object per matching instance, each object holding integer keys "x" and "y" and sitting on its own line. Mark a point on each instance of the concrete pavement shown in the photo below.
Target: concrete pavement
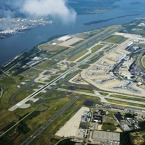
{"x": 24, "y": 101}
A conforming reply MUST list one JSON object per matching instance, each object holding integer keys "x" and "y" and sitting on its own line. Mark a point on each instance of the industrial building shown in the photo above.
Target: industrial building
{"x": 111, "y": 138}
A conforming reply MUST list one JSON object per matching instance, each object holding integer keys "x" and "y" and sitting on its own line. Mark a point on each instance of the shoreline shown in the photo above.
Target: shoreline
{"x": 59, "y": 35}
{"x": 36, "y": 46}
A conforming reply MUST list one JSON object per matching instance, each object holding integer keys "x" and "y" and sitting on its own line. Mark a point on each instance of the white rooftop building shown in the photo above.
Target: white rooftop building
{"x": 64, "y": 38}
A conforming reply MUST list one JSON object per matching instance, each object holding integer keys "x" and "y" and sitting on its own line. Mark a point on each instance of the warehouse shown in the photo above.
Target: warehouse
{"x": 106, "y": 137}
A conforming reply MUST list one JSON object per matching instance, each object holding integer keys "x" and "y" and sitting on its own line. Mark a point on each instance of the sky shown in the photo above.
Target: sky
{"x": 54, "y": 8}
{"x": 57, "y": 9}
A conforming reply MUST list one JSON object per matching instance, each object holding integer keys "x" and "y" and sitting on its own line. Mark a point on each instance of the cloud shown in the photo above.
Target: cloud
{"x": 54, "y": 8}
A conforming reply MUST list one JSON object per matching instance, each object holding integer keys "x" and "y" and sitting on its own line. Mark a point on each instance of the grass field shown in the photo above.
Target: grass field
{"x": 49, "y": 103}
{"x": 115, "y": 39}
{"x": 108, "y": 127}
{"x": 104, "y": 93}
{"x": 97, "y": 47}
{"x": 128, "y": 98}
{"x": 51, "y": 48}
{"x": 84, "y": 35}
{"x": 78, "y": 55}
{"x": 50, "y": 131}
{"x": 124, "y": 103}
{"x": 109, "y": 120}
{"x": 6, "y": 116}
{"x": 36, "y": 70}
{"x": 143, "y": 61}
{"x": 53, "y": 106}
{"x": 9, "y": 85}
{"x": 36, "y": 120}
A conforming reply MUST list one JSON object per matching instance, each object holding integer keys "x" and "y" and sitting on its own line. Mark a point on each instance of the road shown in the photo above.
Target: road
{"x": 103, "y": 98}
{"x": 96, "y": 40}
{"x": 62, "y": 76}
{"x": 49, "y": 122}
{"x": 102, "y": 34}
{"x": 126, "y": 100}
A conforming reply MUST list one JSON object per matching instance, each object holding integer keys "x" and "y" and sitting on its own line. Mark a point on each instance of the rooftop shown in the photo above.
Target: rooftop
{"x": 104, "y": 135}
{"x": 118, "y": 117}
{"x": 64, "y": 38}
{"x": 80, "y": 133}
{"x": 124, "y": 126}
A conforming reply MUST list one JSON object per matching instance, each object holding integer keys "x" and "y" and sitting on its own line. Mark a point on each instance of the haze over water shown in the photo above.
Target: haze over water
{"x": 15, "y": 44}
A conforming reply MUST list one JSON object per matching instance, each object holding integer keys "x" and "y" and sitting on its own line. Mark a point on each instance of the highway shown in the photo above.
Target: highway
{"x": 56, "y": 79}
{"x": 49, "y": 122}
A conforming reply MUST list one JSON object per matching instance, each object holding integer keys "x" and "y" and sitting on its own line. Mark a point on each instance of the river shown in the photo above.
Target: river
{"x": 15, "y": 44}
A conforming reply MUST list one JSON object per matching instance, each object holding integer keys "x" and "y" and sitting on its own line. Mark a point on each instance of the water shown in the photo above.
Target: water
{"x": 13, "y": 45}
